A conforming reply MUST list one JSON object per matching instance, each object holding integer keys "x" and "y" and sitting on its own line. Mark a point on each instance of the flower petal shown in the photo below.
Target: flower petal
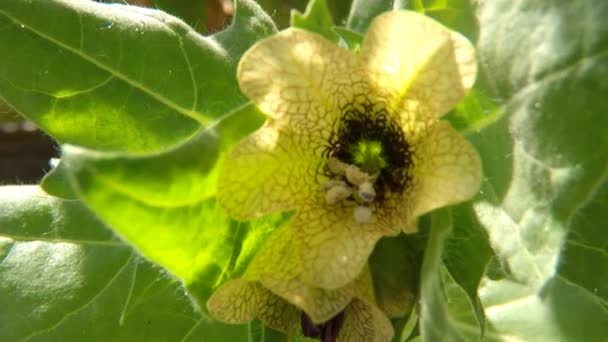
{"x": 300, "y": 80}
{"x": 277, "y": 268}
{"x": 236, "y": 301}
{"x": 414, "y": 58}
{"x": 364, "y": 322}
{"x": 239, "y": 301}
{"x": 333, "y": 246}
{"x": 269, "y": 171}
{"x": 448, "y": 170}
{"x": 277, "y": 313}
{"x": 299, "y": 76}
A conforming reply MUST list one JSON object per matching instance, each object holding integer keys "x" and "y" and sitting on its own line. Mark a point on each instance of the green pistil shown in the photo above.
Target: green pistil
{"x": 368, "y": 156}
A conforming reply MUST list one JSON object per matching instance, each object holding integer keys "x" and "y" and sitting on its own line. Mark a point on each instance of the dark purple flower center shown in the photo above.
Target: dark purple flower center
{"x": 326, "y": 332}
{"x": 355, "y": 127}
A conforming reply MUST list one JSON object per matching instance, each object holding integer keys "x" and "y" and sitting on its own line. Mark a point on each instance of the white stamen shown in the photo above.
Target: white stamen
{"x": 337, "y": 194}
{"x": 330, "y": 183}
{"x": 336, "y": 166}
{"x": 356, "y": 176}
{"x": 367, "y": 192}
{"x": 362, "y": 214}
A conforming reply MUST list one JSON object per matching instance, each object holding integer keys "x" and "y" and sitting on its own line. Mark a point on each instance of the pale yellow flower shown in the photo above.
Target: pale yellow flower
{"x": 353, "y": 142}
{"x": 271, "y": 290}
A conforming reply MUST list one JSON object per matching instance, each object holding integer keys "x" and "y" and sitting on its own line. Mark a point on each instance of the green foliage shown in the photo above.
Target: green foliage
{"x": 130, "y": 242}
{"x": 132, "y": 79}
{"x": 316, "y": 19}
{"x": 193, "y": 12}
{"x": 549, "y": 81}
{"x": 65, "y": 276}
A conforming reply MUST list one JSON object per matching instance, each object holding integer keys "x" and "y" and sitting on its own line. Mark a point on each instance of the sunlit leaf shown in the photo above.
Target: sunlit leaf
{"x": 65, "y": 276}
{"x": 164, "y": 204}
{"x": 542, "y": 205}
{"x": 446, "y": 312}
{"x": 120, "y": 77}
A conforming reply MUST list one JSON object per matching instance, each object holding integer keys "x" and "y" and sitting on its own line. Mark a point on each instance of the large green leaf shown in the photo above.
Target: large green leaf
{"x": 164, "y": 204}
{"x": 66, "y": 277}
{"x": 120, "y": 77}
{"x": 547, "y": 62}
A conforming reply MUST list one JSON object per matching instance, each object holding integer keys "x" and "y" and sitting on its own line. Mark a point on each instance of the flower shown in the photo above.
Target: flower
{"x": 271, "y": 289}
{"x": 353, "y": 142}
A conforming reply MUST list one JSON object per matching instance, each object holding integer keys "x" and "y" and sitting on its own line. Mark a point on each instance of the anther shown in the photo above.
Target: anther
{"x": 336, "y": 166}
{"x": 367, "y": 194}
{"x": 355, "y": 176}
{"x": 362, "y": 214}
{"x": 337, "y": 193}
{"x": 330, "y": 183}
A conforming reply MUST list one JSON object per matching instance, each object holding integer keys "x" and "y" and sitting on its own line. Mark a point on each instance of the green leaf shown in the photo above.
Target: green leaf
{"x": 395, "y": 268}
{"x": 542, "y": 204}
{"x": 56, "y": 182}
{"x": 64, "y": 276}
{"x": 120, "y": 77}
{"x": 164, "y": 204}
{"x": 193, "y": 12}
{"x": 353, "y": 39}
{"x": 446, "y": 312}
{"x": 456, "y": 14}
{"x": 467, "y": 253}
{"x": 474, "y": 112}
{"x": 362, "y": 12}
{"x": 316, "y": 19}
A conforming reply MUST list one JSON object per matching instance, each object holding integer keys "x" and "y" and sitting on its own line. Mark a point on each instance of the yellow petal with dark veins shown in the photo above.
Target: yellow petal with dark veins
{"x": 239, "y": 301}
{"x": 448, "y": 170}
{"x": 223, "y": 306}
{"x": 413, "y": 58}
{"x": 333, "y": 246}
{"x": 365, "y": 323}
{"x": 272, "y": 170}
{"x": 278, "y": 268}
{"x": 300, "y": 77}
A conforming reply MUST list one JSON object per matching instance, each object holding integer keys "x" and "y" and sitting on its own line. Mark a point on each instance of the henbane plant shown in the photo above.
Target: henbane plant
{"x": 426, "y": 170}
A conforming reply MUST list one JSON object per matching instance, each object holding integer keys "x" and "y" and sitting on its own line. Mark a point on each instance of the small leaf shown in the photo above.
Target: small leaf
{"x": 395, "y": 267}
{"x": 445, "y": 309}
{"x": 474, "y": 112}
{"x": 362, "y": 12}
{"x": 317, "y": 18}
{"x": 56, "y": 182}
{"x": 455, "y": 14}
{"x": 353, "y": 39}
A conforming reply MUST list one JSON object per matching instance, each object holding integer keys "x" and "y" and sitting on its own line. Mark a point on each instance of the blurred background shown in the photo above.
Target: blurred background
{"x": 25, "y": 151}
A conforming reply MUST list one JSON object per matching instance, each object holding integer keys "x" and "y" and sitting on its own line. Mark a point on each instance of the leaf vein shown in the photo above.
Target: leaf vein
{"x": 199, "y": 117}
{"x": 21, "y": 238}
{"x": 78, "y": 309}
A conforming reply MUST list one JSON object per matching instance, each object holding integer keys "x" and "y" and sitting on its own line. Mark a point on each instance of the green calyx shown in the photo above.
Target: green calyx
{"x": 368, "y": 155}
